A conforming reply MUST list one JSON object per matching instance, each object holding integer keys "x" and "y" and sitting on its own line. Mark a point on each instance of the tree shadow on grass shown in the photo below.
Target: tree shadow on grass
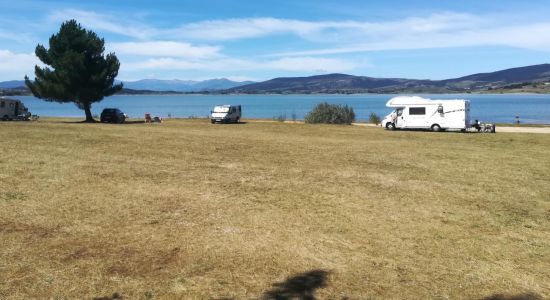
{"x": 98, "y": 122}
{"x": 301, "y": 286}
{"x": 527, "y": 296}
{"x": 115, "y": 296}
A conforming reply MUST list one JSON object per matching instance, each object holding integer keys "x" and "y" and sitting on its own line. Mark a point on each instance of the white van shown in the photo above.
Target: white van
{"x": 13, "y": 109}
{"x": 226, "y": 114}
{"x": 413, "y": 112}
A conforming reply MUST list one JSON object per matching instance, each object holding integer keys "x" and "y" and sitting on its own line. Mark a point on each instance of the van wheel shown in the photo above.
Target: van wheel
{"x": 436, "y": 128}
{"x": 237, "y": 120}
{"x": 212, "y": 121}
{"x": 390, "y": 126}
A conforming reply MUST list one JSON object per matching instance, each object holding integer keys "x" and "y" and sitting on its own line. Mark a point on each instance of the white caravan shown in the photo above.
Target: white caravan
{"x": 413, "y": 112}
{"x": 226, "y": 114}
{"x": 11, "y": 109}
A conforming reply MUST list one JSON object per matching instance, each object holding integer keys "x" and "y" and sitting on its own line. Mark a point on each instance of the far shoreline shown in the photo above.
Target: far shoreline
{"x": 171, "y": 94}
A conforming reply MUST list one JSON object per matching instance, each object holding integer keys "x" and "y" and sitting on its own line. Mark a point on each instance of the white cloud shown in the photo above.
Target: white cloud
{"x": 310, "y": 64}
{"x": 15, "y": 36}
{"x": 433, "y": 31}
{"x": 447, "y": 29}
{"x": 246, "y": 28}
{"x": 165, "y": 48}
{"x": 293, "y": 64}
{"x": 257, "y": 27}
{"x": 534, "y": 37}
{"x": 95, "y": 21}
{"x": 14, "y": 66}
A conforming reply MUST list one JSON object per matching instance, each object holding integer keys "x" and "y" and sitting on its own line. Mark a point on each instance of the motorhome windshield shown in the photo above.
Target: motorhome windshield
{"x": 221, "y": 109}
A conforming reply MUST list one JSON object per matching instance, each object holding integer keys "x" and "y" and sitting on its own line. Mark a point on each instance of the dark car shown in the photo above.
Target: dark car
{"x": 112, "y": 115}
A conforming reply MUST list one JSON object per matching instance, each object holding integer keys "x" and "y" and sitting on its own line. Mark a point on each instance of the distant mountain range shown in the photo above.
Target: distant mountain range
{"x": 183, "y": 85}
{"x": 342, "y": 83}
{"x": 12, "y": 84}
{"x": 149, "y": 86}
{"x": 534, "y": 78}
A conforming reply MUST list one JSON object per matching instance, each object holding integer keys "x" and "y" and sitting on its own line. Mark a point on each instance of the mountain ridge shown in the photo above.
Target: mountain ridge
{"x": 177, "y": 85}
{"x": 158, "y": 85}
{"x": 344, "y": 83}
{"x": 535, "y": 77}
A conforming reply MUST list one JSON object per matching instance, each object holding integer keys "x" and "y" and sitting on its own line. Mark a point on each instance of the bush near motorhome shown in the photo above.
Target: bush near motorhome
{"x": 374, "y": 118}
{"x": 331, "y": 114}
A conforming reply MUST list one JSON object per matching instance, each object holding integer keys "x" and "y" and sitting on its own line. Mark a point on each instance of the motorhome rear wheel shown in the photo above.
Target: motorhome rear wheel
{"x": 436, "y": 128}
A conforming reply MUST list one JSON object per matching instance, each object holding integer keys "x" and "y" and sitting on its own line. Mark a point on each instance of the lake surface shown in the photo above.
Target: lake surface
{"x": 530, "y": 108}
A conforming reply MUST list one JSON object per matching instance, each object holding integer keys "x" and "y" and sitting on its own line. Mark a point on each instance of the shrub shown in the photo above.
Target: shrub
{"x": 331, "y": 114}
{"x": 374, "y": 118}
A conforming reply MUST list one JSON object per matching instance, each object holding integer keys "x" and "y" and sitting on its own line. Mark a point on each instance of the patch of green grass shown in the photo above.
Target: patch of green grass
{"x": 186, "y": 209}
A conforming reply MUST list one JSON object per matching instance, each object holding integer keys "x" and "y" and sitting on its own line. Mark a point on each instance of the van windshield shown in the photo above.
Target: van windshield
{"x": 221, "y": 109}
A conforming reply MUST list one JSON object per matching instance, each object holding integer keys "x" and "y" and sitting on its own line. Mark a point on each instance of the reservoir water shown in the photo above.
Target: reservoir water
{"x": 529, "y": 108}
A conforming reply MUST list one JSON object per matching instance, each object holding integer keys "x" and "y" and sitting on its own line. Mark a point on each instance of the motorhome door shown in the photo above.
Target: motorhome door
{"x": 399, "y": 122}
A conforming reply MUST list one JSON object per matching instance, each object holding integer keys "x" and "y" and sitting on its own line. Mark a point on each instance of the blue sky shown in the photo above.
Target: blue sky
{"x": 259, "y": 40}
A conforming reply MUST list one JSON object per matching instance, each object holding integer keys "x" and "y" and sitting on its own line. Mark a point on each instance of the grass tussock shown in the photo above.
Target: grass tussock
{"x": 186, "y": 209}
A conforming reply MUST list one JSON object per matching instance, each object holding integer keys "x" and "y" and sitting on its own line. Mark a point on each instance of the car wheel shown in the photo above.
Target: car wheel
{"x": 237, "y": 120}
{"x": 5, "y": 118}
{"x": 390, "y": 126}
{"x": 436, "y": 128}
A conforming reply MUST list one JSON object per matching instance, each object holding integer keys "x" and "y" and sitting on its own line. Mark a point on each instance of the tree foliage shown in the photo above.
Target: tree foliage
{"x": 374, "y": 118}
{"x": 331, "y": 114}
{"x": 76, "y": 69}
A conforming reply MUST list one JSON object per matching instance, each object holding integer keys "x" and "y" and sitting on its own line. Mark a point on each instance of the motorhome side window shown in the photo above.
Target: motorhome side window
{"x": 417, "y": 110}
{"x": 399, "y": 112}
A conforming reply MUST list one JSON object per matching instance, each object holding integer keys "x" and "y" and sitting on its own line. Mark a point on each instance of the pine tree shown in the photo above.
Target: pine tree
{"x": 76, "y": 69}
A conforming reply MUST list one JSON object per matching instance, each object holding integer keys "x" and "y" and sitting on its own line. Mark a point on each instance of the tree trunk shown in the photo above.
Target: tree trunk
{"x": 88, "y": 111}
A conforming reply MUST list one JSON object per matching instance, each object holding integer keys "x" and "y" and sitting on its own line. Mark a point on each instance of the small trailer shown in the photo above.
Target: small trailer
{"x": 226, "y": 114}
{"x": 13, "y": 109}
{"x": 413, "y": 112}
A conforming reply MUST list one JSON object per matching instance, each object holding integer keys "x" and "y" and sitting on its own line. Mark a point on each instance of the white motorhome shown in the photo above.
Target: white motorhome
{"x": 226, "y": 114}
{"x": 13, "y": 109}
{"x": 413, "y": 112}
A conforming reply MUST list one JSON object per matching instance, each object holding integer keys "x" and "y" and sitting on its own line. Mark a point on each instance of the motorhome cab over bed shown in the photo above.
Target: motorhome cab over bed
{"x": 413, "y": 112}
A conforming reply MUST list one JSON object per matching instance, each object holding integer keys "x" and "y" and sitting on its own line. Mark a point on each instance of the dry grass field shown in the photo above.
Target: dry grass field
{"x": 190, "y": 210}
